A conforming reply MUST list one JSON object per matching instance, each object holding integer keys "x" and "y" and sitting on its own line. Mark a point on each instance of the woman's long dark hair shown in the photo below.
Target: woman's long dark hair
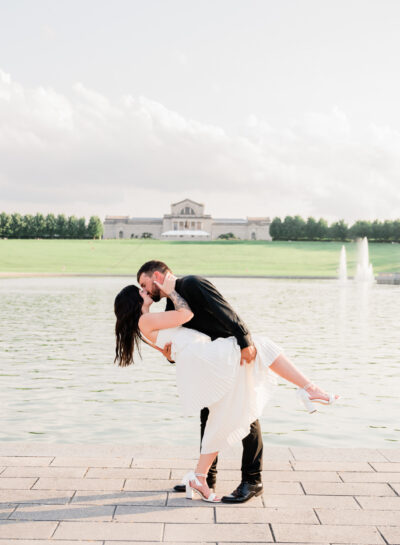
{"x": 128, "y": 309}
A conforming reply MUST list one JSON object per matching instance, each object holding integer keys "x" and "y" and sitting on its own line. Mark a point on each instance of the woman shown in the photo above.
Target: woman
{"x": 208, "y": 372}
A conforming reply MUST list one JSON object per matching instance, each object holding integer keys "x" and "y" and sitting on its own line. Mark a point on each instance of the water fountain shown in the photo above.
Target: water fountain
{"x": 343, "y": 266}
{"x": 364, "y": 271}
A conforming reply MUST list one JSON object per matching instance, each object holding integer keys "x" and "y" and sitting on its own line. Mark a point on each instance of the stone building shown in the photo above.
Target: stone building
{"x": 186, "y": 221}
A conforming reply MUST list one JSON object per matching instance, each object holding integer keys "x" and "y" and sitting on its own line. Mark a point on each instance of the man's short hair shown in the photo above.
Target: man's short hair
{"x": 151, "y": 266}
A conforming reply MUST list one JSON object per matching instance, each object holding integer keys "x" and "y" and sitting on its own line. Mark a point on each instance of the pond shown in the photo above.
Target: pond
{"x": 58, "y": 382}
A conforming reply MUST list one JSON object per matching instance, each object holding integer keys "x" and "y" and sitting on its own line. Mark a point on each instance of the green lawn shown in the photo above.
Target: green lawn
{"x": 216, "y": 257}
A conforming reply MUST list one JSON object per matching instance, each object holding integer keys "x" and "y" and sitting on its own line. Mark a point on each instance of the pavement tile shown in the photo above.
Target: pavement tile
{"x": 380, "y": 477}
{"x": 120, "y": 498}
{"x": 155, "y": 485}
{"x": 154, "y": 543}
{"x": 349, "y": 489}
{"x": 272, "y": 488}
{"x": 303, "y": 533}
{"x": 25, "y": 460}
{"x": 269, "y": 514}
{"x": 391, "y": 534}
{"x": 320, "y": 454}
{"x": 379, "y": 503}
{"x": 109, "y": 530}
{"x": 16, "y": 483}
{"x": 125, "y": 473}
{"x": 50, "y": 542}
{"x": 390, "y": 454}
{"x": 275, "y": 465}
{"x": 179, "y": 500}
{"x": 35, "y": 496}
{"x": 386, "y": 466}
{"x": 48, "y": 483}
{"x": 331, "y": 466}
{"x": 39, "y": 471}
{"x": 305, "y": 502}
{"x": 178, "y": 463}
{"x": 223, "y": 487}
{"x": 130, "y": 513}
{"x": 62, "y": 512}
{"x": 218, "y": 532}
{"x": 395, "y": 486}
{"x": 359, "y": 517}
{"x": 76, "y": 461}
{"x": 276, "y": 454}
{"x": 271, "y": 476}
{"x": 6, "y": 510}
{"x": 35, "y": 530}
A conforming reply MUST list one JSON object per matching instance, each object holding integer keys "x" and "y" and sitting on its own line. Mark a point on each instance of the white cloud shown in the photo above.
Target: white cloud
{"x": 87, "y": 154}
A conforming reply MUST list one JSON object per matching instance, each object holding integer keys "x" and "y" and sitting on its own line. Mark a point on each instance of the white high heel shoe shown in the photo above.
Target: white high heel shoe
{"x": 192, "y": 477}
{"x": 308, "y": 403}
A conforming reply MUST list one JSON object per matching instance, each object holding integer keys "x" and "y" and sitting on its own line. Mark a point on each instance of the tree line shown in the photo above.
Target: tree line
{"x": 50, "y": 226}
{"x": 296, "y": 228}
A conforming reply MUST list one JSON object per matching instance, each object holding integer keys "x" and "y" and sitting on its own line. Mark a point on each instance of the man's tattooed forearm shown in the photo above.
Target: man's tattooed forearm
{"x": 178, "y": 300}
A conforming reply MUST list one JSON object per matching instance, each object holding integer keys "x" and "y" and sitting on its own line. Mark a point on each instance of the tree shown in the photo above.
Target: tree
{"x": 5, "y": 225}
{"x": 81, "y": 228}
{"x": 95, "y": 227}
{"x": 387, "y": 231}
{"x": 227, "y": 236}
{"x": 311, "y": 229}
{"x": 339, "y": 230}
{"x": 16, "y": 226}
{"x": 396, "y": 230}
{"x": 38, "y": 225}
{"x": 27, "y": 226}
{"x": 72, "y": 227}
{"x": 361, "y": 229}
{"x": 275, "y": 229}
{"x": 299, "y": 227}
{"x": 146, "y": 235}
{"x": 61, "y": 226}
{"x": 322, "y": 230}
{"x": 376, "y": 230}
{"x": 51, "y": 225}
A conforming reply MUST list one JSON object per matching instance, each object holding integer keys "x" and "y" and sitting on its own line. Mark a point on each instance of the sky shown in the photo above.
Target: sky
{"x": 252, "y": 107}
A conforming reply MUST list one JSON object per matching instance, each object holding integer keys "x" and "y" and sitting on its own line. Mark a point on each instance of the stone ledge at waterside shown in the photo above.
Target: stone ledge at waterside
{"x": 66, "y": 494}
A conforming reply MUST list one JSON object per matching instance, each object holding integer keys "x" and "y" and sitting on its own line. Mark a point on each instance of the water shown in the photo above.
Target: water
{"x": 343, "y": 265}
{"x": 58, "y": 382}
{"x": 364, "y": 271}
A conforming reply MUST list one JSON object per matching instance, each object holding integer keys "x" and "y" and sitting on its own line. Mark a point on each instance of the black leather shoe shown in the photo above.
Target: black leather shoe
{"x": 182, "y": 487}
{"x": 244, "y": 492}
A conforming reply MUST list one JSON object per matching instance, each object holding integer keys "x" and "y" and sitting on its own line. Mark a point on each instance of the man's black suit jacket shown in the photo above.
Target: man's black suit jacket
{"x": 213, "y": 315}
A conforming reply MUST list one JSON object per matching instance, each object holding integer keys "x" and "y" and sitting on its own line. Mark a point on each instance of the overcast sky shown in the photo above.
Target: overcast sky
{"x": 255, "y": 108}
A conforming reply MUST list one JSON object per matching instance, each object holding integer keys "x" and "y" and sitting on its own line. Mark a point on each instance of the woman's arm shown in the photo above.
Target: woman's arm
{"x": 151, "y": 323}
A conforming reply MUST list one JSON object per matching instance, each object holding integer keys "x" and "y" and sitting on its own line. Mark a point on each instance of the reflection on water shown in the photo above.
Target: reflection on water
{"x": 58, "y": 382}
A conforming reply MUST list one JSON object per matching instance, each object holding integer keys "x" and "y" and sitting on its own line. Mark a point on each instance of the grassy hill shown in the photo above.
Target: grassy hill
{"x": 214, "y": 257}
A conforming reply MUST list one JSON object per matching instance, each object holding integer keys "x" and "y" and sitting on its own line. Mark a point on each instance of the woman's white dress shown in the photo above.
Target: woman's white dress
{"x": 209, "y": 374}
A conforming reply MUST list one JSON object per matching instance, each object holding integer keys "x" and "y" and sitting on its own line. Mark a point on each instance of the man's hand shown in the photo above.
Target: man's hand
{"x": 248, "y": 354}
{"x": 167, "y": 351}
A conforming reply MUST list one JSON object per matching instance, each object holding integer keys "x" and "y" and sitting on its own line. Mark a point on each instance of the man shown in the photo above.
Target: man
{"x": 216, "y": 318}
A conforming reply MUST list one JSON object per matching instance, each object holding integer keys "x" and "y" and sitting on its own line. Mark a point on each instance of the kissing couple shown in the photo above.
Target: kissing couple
{"x": 221, "y": 370}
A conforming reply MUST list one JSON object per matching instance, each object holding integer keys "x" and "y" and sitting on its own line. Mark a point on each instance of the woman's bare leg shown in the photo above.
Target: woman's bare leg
{"x": 283, "y": 367}
{"x": 202, "y": 467}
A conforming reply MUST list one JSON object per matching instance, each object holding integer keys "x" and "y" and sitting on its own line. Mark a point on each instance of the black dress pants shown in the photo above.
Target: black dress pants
{"x": 251, "y": 457}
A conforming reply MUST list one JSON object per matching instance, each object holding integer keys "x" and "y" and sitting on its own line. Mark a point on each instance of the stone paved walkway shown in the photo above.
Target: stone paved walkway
{"x": 122, "y": 495}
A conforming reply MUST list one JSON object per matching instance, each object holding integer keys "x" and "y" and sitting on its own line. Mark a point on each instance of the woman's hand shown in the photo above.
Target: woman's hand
{"x": 168, "y": 285}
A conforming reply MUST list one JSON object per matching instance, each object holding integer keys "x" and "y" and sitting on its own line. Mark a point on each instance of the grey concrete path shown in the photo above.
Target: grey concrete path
{"x": 122, "y": 495}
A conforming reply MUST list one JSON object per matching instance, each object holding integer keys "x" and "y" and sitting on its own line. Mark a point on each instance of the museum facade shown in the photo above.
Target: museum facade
{"x": 187, "y": 221}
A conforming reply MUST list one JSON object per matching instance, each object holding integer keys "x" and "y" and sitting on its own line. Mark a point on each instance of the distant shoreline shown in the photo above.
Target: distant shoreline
{"x": 105, "y": 275}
